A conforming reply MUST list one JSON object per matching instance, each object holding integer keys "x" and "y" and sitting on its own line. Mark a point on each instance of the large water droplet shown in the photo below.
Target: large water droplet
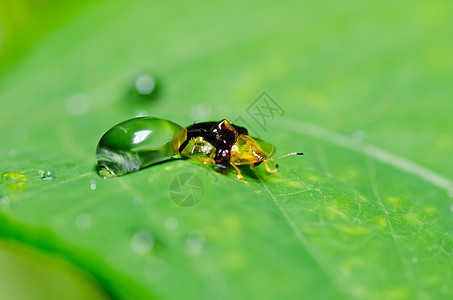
{"x": 142, "y": 242}
{"x": 138, "y": 143}
{"x": 47, "y": 174}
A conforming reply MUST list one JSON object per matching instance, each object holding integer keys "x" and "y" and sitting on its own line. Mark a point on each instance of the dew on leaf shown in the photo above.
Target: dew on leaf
{"x": 47, "y": 174}
{"x": 136, "y": 144}
{"x": 93, "y": 185}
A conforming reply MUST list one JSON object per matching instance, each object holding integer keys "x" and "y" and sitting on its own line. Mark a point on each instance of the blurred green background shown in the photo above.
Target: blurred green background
{"x": 345, "y": 221}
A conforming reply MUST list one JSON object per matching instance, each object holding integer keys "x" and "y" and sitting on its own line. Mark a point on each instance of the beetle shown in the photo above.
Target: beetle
{"x": 140, "y": 142}
{"x": 223, "y": 144}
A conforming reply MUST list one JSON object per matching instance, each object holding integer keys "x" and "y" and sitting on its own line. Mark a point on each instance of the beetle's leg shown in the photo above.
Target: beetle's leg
{"x": 268, "y": 168}
{"x": 239, "y": 172}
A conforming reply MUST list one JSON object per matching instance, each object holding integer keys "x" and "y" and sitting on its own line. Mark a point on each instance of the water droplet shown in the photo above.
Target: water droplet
{"x": 93, "y": 184}
{"x": 145, "y": 84}
{"x": 155, "y": 269}
{"x": 78, "y": 104}
{"x": 414, "y": 259}
{"x": 4, "y": 200}
{"x": 358, "y": 136}
{"x": 195, "y": 240}
{"x": 142, "y": 242}
{"x": 125, "y": 148}
{"x": 171, "y": 224}
{"x": 201, "y": 111}
{"x": 47, "y": 174}
{"x": 83, "y": 221}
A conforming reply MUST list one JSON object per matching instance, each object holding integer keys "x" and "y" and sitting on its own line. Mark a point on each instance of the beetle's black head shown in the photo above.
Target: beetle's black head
{"x": 222, "y": 135}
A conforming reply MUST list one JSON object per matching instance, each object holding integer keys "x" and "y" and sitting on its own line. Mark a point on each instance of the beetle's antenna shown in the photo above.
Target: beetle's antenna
{"x": 289, "y": 154}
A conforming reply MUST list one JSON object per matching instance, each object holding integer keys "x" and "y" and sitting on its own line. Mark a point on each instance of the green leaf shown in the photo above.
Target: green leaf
{"x": 363, "y": 89}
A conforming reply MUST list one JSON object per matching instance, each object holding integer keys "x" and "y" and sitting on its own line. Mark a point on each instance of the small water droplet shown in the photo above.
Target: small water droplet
{"x": 145, "y": 84}
{"x": 83, "y": 221}
{"x": 142, "y": 242}
{"x": 155, "y": 269}
{"x": 47, "y": 174}
{"x": 358, "y": 136}
{"x": 93, "y": 185}
{"x": 414, "y": 259}
{"x": 78, "y": 104}
{"x": 4, "y": 200}
{"x": 195, "y": 240}
{"x": 171, "y": 224}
